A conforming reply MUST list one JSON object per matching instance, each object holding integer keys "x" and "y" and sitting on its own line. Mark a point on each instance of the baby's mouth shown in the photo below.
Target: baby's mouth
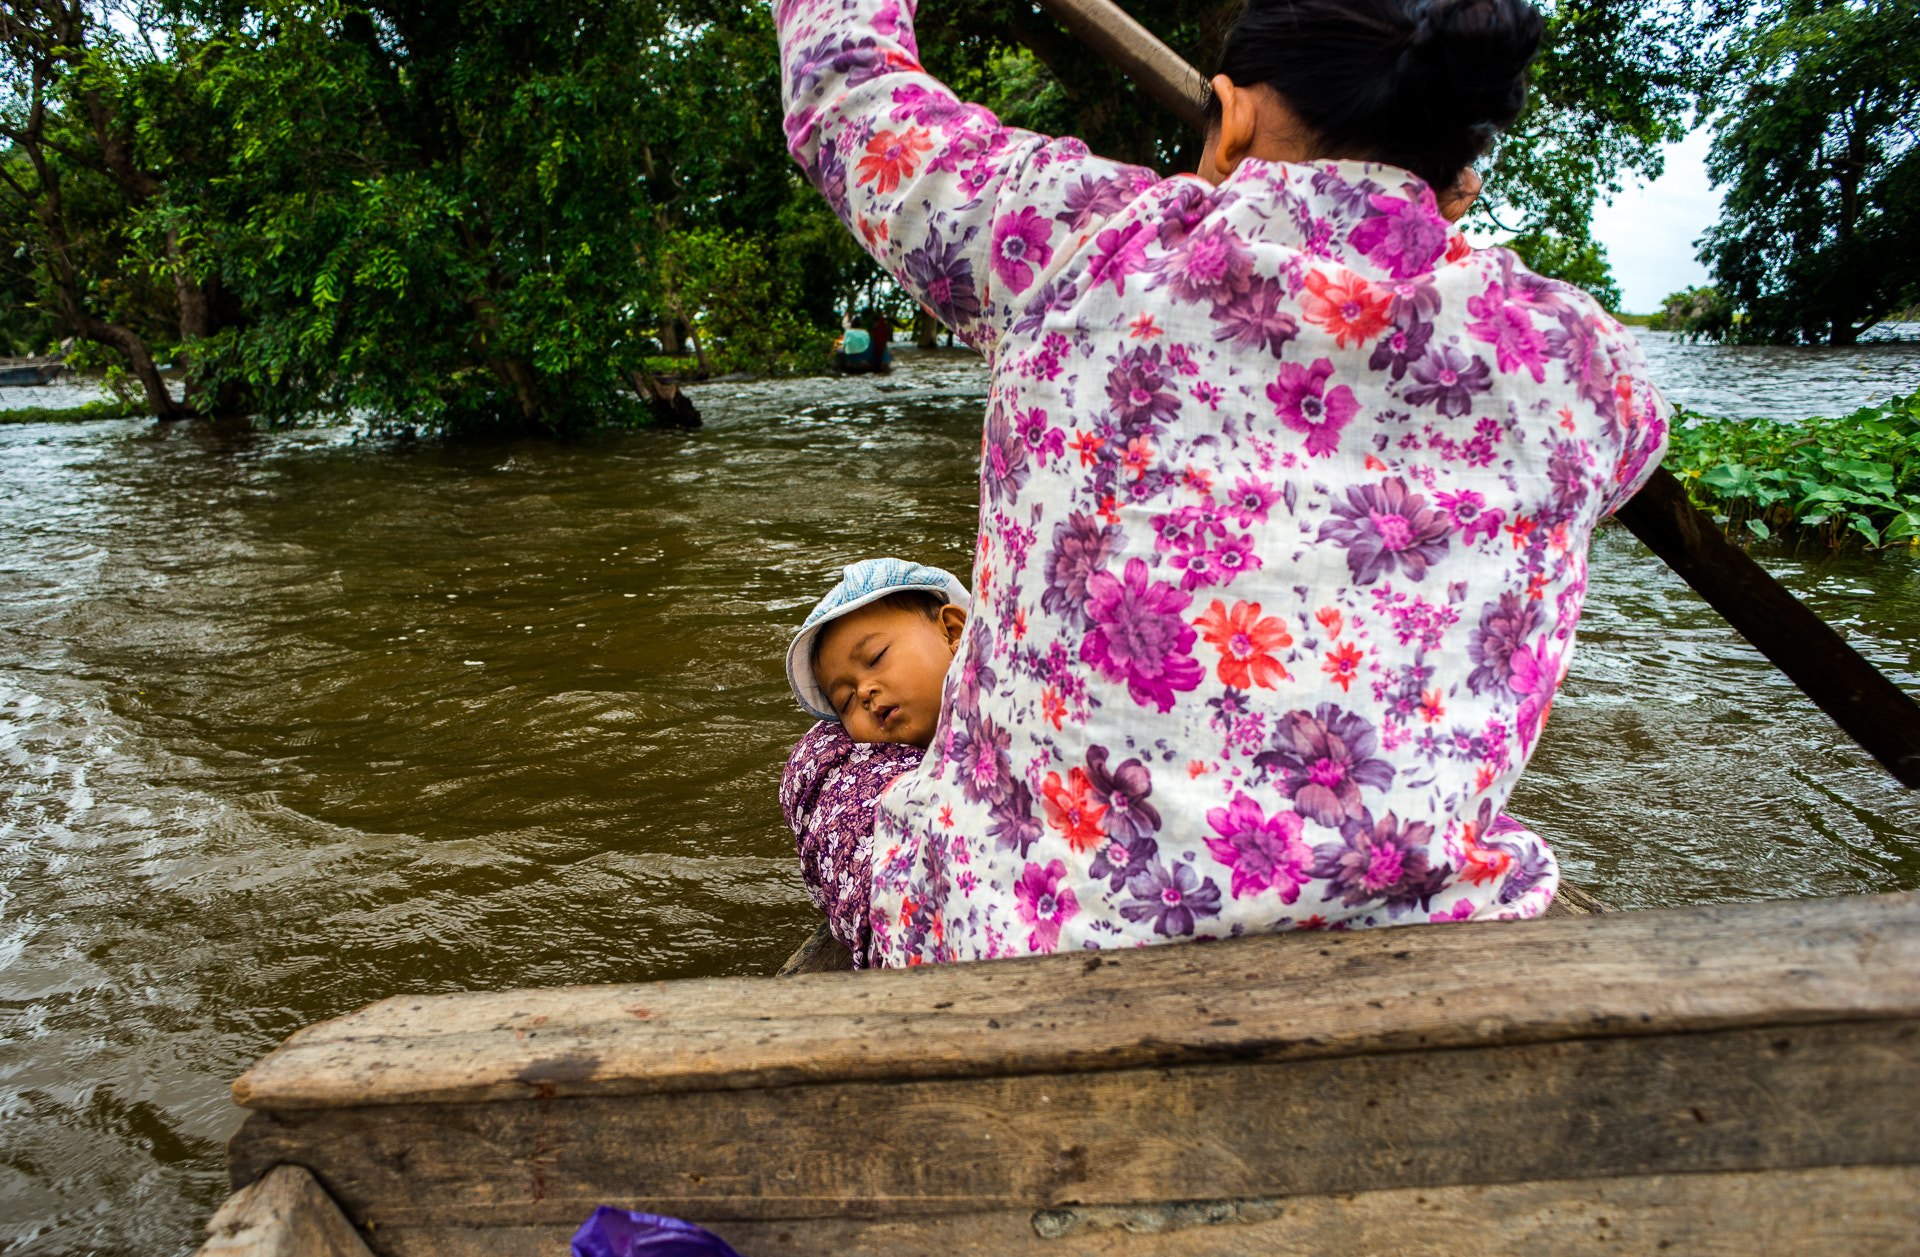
{"x": 884, "y": 715}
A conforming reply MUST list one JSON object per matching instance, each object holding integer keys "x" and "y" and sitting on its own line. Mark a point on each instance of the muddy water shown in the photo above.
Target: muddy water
{"x": 292, "y": 722}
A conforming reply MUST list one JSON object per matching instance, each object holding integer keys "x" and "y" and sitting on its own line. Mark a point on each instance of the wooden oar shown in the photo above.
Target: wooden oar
{"x": 1871, "y": 709}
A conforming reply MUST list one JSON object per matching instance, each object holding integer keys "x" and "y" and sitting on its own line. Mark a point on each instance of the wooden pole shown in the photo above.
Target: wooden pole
{"x": 1870, "y": 708}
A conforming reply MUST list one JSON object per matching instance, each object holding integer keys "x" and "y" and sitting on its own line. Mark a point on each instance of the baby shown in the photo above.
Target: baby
{"x": 869, "y": 661}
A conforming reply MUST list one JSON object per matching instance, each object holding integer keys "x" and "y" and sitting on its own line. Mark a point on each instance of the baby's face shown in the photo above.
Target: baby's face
{"x": 882, "y": 668}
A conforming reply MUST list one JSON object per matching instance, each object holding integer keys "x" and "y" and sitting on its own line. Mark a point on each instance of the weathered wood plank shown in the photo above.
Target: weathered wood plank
{"x": 1277, "y": 997}
{"x": 1768, "y": 1098}
{"x": 1861, "y": 1211}
{"x": 284, "y": 1214}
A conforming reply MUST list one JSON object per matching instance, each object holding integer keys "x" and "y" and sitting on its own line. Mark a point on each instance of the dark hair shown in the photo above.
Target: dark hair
{"x": 1420, "y": 84}
{"x": 925, "y": 601}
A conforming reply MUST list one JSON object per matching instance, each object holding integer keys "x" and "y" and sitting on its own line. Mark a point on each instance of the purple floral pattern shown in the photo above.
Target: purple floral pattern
{"x": 827, "y": 794}
{"x": 1301, "y": 397}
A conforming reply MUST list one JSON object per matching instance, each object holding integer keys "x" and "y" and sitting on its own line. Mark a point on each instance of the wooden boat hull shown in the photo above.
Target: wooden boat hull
{"x": 20, "y": 372}
{"x": 1730, "y": 1079}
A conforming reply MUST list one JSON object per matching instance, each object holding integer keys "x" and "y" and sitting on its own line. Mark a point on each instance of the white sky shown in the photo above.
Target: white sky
{"x": 1649, "y": 229}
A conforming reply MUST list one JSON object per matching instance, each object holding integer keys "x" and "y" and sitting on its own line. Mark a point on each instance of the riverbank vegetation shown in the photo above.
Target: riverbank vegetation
{"x": 89, "y": 412}
{"x": 1836, "y": 482}
{"x": 451, "y": 215}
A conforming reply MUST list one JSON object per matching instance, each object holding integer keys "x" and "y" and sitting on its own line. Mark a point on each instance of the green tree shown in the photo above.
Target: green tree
{"x": 1819, "y": 235}
{"x": 84, "y": 195}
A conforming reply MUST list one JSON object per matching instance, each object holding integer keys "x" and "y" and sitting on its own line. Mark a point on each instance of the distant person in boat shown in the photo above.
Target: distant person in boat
{"x": 1286, "y": 489}
{"x": 859, "y": 350}
{"x": 870, "y": 662}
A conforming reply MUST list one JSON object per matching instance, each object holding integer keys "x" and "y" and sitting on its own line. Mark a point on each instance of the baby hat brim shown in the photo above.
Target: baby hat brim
{"x": 860, "y": 583}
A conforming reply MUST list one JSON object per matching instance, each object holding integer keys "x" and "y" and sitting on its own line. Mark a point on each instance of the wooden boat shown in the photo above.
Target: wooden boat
{"x": 1727, "y": 1079}
{"x": 28, "y": 371}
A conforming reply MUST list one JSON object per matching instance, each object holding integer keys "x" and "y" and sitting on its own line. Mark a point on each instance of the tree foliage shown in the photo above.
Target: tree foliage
{"x": 449, "y": 213}
{"x": 1819, "y": 237}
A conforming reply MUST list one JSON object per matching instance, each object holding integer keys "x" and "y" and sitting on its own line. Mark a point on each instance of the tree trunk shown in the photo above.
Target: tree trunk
{"x": 196, "y": 316}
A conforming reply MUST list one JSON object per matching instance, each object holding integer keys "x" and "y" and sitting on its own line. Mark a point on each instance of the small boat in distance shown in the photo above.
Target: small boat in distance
{"x": 865, "y": 346}
{"x": 1728, "y": 1078}
{"x": 16, "y": 372}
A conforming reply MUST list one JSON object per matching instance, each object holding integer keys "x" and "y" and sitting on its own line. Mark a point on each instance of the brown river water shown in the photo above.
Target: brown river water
{"x": 293, "y": 722}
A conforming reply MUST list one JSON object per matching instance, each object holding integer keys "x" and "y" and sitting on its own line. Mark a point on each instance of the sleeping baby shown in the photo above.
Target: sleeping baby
{"x": 869, "y": 661}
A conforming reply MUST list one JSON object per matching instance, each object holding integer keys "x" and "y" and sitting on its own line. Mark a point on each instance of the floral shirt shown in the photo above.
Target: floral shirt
{"x": 1285, "y": 499}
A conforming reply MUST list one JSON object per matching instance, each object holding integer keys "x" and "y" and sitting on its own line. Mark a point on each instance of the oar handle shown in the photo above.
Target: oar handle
{"x": 1872, "y": 710}
{"x": 1132, "y": 49}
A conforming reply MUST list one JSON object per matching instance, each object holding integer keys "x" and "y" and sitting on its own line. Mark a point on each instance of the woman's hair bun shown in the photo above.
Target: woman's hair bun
{"x": 1421, "y": 84}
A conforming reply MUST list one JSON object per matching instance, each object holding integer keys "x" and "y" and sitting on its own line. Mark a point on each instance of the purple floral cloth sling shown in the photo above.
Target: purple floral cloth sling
{"x": 1285, "y": 500}
{"x": 828, "y": 793}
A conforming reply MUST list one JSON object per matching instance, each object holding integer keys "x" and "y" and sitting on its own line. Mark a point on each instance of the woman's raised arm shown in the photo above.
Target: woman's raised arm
{"x": 976, "y": 219}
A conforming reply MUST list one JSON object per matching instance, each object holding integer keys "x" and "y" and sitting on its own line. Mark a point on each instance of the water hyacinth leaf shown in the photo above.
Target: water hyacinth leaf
{"x": 1759, "y": 529}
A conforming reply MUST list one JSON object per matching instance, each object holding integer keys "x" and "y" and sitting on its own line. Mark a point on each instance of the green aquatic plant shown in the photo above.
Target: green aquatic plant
{"x": 87, "y": 412}
{"x": 1855, "y": 478}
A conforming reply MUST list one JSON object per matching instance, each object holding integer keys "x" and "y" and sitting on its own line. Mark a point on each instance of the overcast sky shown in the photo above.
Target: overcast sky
{"x": 1649, "y": 229}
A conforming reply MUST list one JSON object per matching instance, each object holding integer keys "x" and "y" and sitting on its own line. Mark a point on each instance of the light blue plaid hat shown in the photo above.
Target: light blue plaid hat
{"x": 860, "y": 583}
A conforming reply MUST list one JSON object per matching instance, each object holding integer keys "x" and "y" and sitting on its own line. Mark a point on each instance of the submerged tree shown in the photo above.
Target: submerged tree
{"x": 440, "y": 213}
{"x": 1819, "y": 236}
{"x": 85, "y": 197}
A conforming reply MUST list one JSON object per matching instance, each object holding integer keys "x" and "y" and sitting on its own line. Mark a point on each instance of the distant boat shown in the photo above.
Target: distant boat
{"x": 1734, "y": 1078}
{"x": 22, "y": 371}
{"x": 858, "y": 352}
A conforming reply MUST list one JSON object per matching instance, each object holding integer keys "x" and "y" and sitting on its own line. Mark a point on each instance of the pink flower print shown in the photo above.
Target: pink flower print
{"x": 1254, "y": 318}
{"x": 1535, "y": 675}
{"x": 1210, "y": 265}
{"x": 1139, "y": 637}
{"x": 1120, "y": 252}
{"x": 1263, "y": 851}
{"x": 1460, "y": 912}
{"x": 1041, "y": 440}
{"x": 1138, "y": 458}
{"x": 1516, "y": 342}
{"x": 976, "y": 178}
{"x": 1181, "y": 361}
{"x": 1386, "y": 527}
{"x": 1192, "y": 556}
{"x": 1020, "y": 247}
{"x": 1300, "y": 400}
{"x": 1207, "y": 395}
{"x": 1044, "y": 903}
{"x": 1470, "y": 514}
{"x": 1251, "y": 500}
{"x": 1402, "y": 237}
{"x": 1135, "y": 389}
{"x": 1170, "y": 530}
{"x": 1447, "y": 380}
{"x": 1232, "y": 557}
{"x": 1322, "y": 758}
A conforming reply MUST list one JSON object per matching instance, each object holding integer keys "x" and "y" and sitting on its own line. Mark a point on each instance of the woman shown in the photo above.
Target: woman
{"x": 1286, "y": 491}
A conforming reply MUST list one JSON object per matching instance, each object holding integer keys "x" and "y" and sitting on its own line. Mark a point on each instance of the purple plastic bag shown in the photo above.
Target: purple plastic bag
{"x": 614, "y": 1232}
